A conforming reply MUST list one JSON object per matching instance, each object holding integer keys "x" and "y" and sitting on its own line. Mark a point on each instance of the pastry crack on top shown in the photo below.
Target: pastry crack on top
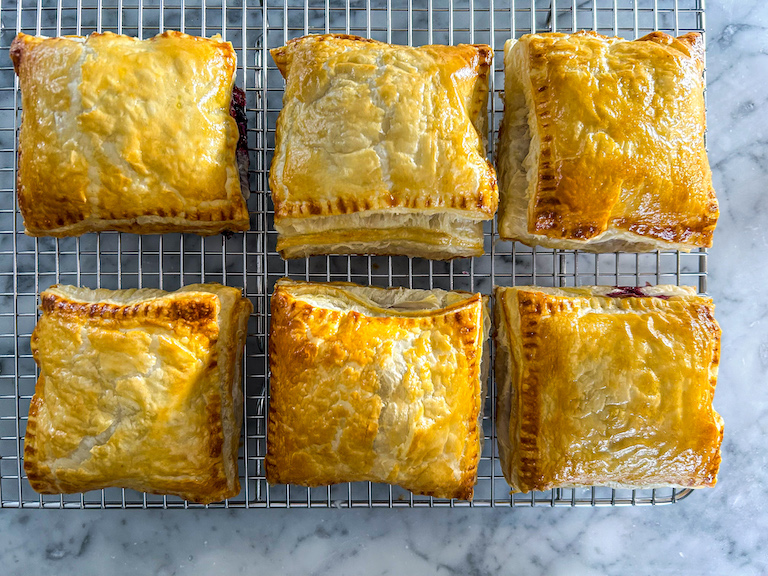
{"x": 131, "y": 135}
{"x": 601, "y": 146}
{"x": 380, "y": 149}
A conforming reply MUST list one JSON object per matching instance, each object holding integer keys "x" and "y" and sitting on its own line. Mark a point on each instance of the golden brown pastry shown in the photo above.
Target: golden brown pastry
{"x": 380, "y": 149}
{"x": 375, "y": 384}
{"x": 138, "y": 389}
{"x": 601, "y": 146}
{"x": 129, "y": 135}
{"x": 607, "y": 386}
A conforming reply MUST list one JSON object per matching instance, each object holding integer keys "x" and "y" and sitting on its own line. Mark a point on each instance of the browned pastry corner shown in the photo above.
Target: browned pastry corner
{"x": 125, "y": 134}
{"x": 138, "y": 389}
{"x": 599, "y": 386}
{"x": 601, "y": 146}
{"x": 380, "y": 149}
{"x": 377, "y": 385}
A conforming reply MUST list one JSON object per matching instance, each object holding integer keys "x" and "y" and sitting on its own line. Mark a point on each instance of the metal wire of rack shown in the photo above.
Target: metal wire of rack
{"x": 114, "y": 260}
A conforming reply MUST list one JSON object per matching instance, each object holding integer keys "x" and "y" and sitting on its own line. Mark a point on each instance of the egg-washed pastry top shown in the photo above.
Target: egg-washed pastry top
{"x": 602, "y": 143}
{"x": 125, "y": 134}
{"x": 378, "y": 385}
{"x": 607, "y": 386}
{"x": 138, "y": 389}
{"x": 379, "y": 149}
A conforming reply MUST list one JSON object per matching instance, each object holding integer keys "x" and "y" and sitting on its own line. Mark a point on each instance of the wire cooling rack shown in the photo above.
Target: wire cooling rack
{"x": 114, "y": 260}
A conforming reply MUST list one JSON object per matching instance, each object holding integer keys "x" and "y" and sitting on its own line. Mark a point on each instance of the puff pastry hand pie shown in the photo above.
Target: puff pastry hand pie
{"x": 380, "y": 149}
{"x": 606, "y": 386}
{"x": 129, "y": 135}
{"x": 138, "y": 389}
{"x": 601, "y": 146}
{"x": 378, "y": 385}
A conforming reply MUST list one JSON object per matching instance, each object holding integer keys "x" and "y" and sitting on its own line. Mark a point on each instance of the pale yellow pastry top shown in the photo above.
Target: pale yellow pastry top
{"x": 599, "y": 386}
{"x": 374, "y": 384}
{"x": 138, "y": 389}
{"x": 367, "y": 126}
{"x": 124, "y": 134}
{"x": 616, "y": 130}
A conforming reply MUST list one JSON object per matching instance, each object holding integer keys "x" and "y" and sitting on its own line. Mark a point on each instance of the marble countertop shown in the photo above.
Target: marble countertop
{"x": 720, "y": 531}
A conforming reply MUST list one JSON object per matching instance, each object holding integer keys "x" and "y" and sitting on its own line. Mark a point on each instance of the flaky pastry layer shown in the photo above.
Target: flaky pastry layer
{"x": 371, "y": 130}
{"x": 601, "y": 146}
{"x": 605, "y": 386}
{"x": 125, "y": 134}
{"x": 138, "y": 389}
{"x": 377, "y": 385}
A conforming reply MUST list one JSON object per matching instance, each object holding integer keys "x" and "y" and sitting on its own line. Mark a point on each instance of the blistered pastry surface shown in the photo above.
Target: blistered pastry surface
{"x": 370, "y": 126}
{"x": 607, "y": 391}
{"x": 137, "y": 389}
{"x": 360, "y": 391}
{"x": 130, "y": 135}
{"x": 616, "y": 129}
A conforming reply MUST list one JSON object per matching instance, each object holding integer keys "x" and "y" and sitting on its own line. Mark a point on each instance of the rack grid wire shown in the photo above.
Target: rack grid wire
{"x": 115, "y": 260}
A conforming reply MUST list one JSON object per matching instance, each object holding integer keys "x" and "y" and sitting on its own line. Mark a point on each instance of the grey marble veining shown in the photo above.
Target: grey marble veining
{"x": 720, "y": 531}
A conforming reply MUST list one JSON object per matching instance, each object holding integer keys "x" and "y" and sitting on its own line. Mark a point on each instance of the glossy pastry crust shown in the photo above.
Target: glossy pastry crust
{"x": 138, "y": 389}
{"x": 129, "y": 135}
{"x": 601, "y": 146}
{"x": 380, "y": 149}
{"x": 378, "y": 385}
{"x": 597, "y": 386}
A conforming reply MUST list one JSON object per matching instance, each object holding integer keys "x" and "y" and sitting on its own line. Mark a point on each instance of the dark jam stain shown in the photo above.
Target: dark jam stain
{"x": 632, "y": 292}
{"x": 237, "y": 111}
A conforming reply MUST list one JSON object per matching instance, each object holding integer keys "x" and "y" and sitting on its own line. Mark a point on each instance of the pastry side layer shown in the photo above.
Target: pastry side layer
{"x": 378, "y": 385}
{"x": 125, "y": 134}
{"x": 138, "y": 389}
{"x": 599, "y": 390}
{"x": 601, "y": 146}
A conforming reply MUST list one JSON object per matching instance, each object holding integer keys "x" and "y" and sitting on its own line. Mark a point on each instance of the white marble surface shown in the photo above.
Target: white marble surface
{"x": 722, "y": 531}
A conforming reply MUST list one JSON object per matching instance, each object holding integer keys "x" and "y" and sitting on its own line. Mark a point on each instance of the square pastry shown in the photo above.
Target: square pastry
{"x": 601, "y": 146}
{"x": 131, "y": 135}
{"x": 603, "y": 386}
{"x": 138, "y": 389}
{"x": 378, "y": 385}
{"x": 380, "y": 149}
